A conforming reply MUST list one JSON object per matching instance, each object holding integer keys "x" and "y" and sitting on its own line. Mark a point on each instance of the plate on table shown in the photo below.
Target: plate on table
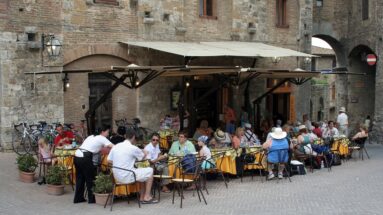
{"x": 68, "y": 147}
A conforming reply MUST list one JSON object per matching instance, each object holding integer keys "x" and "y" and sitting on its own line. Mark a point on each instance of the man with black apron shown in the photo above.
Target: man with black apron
{"x": 83, "y": 161}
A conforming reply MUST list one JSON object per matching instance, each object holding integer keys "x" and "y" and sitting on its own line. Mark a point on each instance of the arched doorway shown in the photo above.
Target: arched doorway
{"x": 86, "y": 88}
{"x": 361, "y": 88}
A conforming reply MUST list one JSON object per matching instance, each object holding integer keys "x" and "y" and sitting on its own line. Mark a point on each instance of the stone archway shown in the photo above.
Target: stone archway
{"x": 337, "y": 47}
{"x": 361, "y": 88}
{"x": 77, "y": 96}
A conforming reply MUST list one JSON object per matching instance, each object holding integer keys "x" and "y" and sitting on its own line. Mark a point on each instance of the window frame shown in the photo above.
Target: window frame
{"x": 107, "y": 2}
{"x": 281, "y": 14}
{"x": 202, "y": 9}
{"x": 365, "y": 10}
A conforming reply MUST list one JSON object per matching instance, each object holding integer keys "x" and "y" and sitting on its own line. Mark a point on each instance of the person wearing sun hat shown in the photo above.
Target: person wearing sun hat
{"x": 222, "y": 138}
{"x": 342, "y": 121}
{"x": 277, "y": 142}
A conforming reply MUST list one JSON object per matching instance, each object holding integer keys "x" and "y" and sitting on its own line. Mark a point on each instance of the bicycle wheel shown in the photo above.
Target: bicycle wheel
{"x": 18, "y": 143}
{"x": 28, "y": 145}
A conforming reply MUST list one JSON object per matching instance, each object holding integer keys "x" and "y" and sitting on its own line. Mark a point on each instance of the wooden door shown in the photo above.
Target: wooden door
{"x": 98, "y": 85}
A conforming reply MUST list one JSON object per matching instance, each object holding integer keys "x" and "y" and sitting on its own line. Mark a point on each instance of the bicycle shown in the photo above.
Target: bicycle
{"x": 141, "y": 132}
{"x": 22, "y": 140}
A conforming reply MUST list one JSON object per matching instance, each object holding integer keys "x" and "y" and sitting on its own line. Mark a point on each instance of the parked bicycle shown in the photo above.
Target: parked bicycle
{"x": 25, "y": 137}
{"x": 141, "y": 132}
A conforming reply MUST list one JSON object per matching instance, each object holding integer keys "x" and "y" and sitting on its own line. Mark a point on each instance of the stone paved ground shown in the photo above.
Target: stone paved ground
{"x": 354, "y": 187}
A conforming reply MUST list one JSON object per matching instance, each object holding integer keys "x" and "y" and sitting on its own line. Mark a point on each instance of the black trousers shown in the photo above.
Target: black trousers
{"x": 85, "y": 174}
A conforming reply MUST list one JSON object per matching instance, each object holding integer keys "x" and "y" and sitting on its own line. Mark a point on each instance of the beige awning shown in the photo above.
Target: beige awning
{"x": 216, "y": 49}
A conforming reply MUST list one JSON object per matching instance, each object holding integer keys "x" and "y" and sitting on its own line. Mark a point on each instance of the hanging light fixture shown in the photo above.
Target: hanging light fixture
{"x": 51, "y": 44}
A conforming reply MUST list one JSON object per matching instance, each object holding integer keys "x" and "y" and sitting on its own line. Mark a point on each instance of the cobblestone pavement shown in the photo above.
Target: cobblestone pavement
{"x": 355, "y": 187}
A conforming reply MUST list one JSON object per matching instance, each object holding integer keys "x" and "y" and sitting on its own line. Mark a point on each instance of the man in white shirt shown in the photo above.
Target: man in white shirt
{"x": 155, "y": 158}
{"x": 123, "y": 156}
{"x": 330, "y": 131}
{"x": 83, "y": 161}
{"x": 342, "y": 121}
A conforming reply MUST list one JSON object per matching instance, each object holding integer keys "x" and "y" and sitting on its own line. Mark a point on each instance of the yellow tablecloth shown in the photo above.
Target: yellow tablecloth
{"x": 342, "y": 144}
{"x": 65, "y": 158}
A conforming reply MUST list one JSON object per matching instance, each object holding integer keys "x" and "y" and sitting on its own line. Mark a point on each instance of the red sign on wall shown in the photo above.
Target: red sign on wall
{"x": 371, "y": 59}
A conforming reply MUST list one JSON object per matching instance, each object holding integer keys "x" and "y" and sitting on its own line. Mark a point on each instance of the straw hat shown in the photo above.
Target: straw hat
{"x": 219, "y": 135}
{"x": 247, "y": 125}
{"x": 301, "y": 127}
{"x": 342, "y": 109}
{"x": 278, "y": 134}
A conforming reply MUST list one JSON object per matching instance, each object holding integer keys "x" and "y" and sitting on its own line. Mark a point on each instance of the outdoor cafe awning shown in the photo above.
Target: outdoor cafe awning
{"x": 217, "y": 49}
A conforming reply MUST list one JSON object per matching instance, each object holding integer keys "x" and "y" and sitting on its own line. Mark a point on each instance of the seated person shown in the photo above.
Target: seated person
{"x": 45, "y": 153}
{"x": 221, "y": 139}
{"x": 124, "y": 155}
{"x": 317, "y": 131}
{"x": 239, "y": 138}
{"x": 330, "y": 131}
{"x": 203, "y": 129}
{"x": 182, "y": 146}
{"x": 277, "y": 141}
{"x": 120, "y": 136}
{"x": 304, "y": 141}
{"x": 157, "y": 159}
{"x": 205, "y": 153}
{"x": 363, "y": 132}
{"x": 250, "y": 138}
{"x": 63, "y": 137}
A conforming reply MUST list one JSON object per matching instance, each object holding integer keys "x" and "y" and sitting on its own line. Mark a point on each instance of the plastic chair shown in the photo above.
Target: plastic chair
{"x": 117, "y": 184}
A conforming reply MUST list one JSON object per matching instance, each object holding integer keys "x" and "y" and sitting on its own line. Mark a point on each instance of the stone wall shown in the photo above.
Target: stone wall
{"x": 355, "y": 37}
{"x": 90, "y": 34}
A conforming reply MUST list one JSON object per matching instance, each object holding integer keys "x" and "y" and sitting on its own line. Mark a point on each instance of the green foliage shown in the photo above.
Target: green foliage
{"x": 103, "y": 184}
{"x": 316, "y": 81}
{"x": 26, "y": 163}
{"x": 55, "y": 175}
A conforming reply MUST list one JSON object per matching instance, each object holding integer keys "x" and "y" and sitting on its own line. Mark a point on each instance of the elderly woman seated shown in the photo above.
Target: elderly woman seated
{"x": 304, "y": 141}
{"x": 203, "y": 130}
{"x": 277, "y": 147}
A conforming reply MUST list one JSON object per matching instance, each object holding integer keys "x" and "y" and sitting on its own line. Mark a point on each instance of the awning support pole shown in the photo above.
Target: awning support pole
{"x": 89, "y": 115}
{"x": 258, "y": 101}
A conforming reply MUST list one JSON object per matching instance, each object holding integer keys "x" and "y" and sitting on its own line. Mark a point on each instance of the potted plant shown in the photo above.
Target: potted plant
{"x": 103, "y": 187}
{"x": 27, "y": 165}
{"x": 55, "y": 179}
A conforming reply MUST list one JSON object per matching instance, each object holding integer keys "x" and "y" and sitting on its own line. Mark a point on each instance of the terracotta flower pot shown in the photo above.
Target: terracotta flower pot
{"x": 27, "y": 177}
{"x": 101, "y": 198}
{"x": 56, "y": 190}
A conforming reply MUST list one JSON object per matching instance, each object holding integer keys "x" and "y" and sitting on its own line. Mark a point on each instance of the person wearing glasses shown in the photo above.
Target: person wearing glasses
{"x": 182, "y": 146}
{"x": 157, "y": 159}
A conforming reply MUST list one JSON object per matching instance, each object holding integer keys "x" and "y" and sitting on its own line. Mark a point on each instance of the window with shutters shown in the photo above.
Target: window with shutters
{"x": 207, "y": 9}
{"x": 365, "y": 9}
{"x": 281, "y": 14}
{"x": 109, "y": 2}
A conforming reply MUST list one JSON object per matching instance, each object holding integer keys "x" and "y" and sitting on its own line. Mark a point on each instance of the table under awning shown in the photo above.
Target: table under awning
{"x": 217, "y": 49}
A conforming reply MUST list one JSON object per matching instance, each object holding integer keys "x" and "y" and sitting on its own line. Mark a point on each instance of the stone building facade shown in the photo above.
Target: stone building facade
{"x": 354, "y": 30}
{"x": 91, "y": 32}
{"x": 323, "y": 88}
